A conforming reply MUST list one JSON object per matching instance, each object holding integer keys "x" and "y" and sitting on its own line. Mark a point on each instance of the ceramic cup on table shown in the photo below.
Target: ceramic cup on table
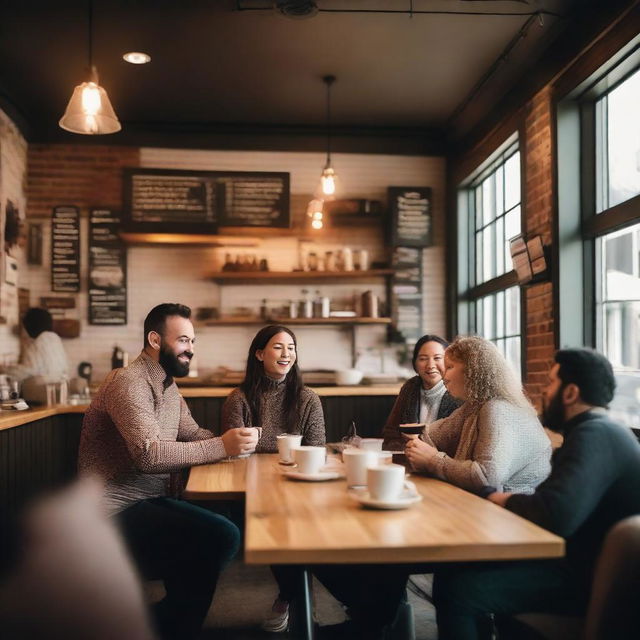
{"x": 371, "y": 444}
{"x": 356, "y": 462}
{"x": 385, "y": 457}
{"x": 385, "y": 482}
{"x": 309, "y": 459}
{"x": 285, "y": 442}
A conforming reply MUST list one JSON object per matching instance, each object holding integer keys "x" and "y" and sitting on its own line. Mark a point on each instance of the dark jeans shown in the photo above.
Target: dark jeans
{"x": 465, "y": 594}
{"x": 288, "y": 577}
{"x": 187, "y": 547}
{"x": 372, "y": 593}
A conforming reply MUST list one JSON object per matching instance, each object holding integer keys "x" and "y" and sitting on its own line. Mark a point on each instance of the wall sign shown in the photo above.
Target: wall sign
{"x": 407, "y": 292}
{"x": 175, "y": 201}
{"x": 410, "y": 216}
{"x": 107, "y": 269}
{"x": 65, "y": 249}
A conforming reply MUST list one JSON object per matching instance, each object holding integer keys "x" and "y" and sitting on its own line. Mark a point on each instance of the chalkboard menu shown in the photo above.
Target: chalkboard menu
{"x": 175, "y": 201}
{"x": 407, "y": 292}
{"x": 411, "y": 216}
{"x": 107, "y": 269}
{"x": 65, "y": 249}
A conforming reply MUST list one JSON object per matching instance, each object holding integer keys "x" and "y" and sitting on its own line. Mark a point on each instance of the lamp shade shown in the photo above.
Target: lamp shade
{"x": 89, "y": 111}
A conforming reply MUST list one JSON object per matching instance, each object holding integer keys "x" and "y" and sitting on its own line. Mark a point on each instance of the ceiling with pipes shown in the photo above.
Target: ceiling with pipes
{"x": 256, "y": 66}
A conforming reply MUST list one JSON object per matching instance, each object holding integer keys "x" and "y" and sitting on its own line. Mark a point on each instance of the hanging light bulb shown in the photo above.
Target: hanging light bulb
{"x": 89, "y": 110}
{"x": 327, "y": 188}
{"x": 314, "y": 211}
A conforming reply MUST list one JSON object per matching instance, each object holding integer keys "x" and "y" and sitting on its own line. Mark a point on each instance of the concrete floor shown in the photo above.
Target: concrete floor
{"x": 246, "y": 593}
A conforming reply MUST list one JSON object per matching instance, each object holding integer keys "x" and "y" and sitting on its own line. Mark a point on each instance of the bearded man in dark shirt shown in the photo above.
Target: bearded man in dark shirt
{"x": 594, "y": 483}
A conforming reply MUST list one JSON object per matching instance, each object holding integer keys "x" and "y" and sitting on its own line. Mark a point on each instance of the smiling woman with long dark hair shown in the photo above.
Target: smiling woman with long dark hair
{"x": 272, "y": 396}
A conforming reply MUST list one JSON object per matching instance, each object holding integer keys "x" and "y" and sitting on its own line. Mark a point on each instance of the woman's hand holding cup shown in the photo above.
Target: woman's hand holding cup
{"x": 419, "y": 453}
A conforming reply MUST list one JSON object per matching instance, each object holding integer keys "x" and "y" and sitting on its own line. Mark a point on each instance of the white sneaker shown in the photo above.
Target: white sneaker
{"x": 277, "y": 619}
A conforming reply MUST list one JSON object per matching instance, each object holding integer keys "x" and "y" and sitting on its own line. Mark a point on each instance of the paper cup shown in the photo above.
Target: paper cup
{"x": 285, "y": 442}
{"x": 356, "y": 462}
{"x": 371, "y": 444}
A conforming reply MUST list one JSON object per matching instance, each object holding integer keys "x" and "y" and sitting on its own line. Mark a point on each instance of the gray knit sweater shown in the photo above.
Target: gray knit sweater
{"x": 237, "y": 413}
{"x": 497, "y": 444}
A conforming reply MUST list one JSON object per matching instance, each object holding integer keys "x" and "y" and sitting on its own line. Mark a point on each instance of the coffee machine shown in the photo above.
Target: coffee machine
{"x": 10, "y": 393}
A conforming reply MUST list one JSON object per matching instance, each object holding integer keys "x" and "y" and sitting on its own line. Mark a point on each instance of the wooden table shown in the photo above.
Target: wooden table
{"x": 318, "y": 523}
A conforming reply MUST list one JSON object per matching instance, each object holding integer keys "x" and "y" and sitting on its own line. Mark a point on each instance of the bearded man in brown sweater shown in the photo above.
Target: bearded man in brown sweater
{"x": 138, "y": 435}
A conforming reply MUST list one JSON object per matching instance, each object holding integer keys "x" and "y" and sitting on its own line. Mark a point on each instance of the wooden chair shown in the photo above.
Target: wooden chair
{"x": 614, "y": 608}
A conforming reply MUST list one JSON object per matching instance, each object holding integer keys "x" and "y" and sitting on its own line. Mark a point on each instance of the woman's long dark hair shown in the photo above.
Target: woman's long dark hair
{"x": 256, "y": 382}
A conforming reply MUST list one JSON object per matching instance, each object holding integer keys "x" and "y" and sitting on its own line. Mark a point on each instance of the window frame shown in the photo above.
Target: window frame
{"x": 468, "y": 291}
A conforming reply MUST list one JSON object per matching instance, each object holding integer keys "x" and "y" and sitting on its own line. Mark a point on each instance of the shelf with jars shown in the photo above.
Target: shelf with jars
{"x": 296, "y": 277}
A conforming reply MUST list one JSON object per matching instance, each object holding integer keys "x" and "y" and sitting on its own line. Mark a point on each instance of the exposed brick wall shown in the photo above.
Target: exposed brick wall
{"x": 85, "y": 176}
{"x": 538, "y": 202}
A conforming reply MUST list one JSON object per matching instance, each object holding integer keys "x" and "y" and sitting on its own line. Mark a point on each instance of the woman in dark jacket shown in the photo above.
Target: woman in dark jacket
{"x": 422, "y": 398}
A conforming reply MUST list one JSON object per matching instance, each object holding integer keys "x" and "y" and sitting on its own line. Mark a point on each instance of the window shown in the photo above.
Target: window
{"x": 611, "y": 227}
{"x": 490, "y": 216}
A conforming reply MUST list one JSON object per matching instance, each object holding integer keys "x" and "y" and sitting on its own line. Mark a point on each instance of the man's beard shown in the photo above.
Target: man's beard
{"x": 553, "y": 412}
{"x": 170, "y": 363}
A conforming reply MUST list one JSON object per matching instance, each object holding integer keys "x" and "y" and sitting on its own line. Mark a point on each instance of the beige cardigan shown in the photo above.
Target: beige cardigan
{"x": 496, "y": 444}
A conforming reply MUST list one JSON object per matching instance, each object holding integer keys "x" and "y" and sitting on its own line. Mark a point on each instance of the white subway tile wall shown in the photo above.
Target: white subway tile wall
{"x": 160, "y": 274}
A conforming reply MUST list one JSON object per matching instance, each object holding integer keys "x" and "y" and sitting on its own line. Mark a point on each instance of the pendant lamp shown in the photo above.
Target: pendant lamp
{"x": 328, "y": 178}
{"x": 89, "y": 111}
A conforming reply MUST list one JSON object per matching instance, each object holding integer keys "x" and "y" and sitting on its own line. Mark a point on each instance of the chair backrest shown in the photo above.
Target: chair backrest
{"x": 614, "y": 607}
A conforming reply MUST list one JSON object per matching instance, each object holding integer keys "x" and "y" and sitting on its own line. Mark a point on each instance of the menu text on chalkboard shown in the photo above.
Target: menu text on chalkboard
{"x": 177, "y": 201}
{"x": 65, "y": 249}
{"x": 107, "y": 269}
{"x": 407, "y": 292}
{"x": 411, "y": 216}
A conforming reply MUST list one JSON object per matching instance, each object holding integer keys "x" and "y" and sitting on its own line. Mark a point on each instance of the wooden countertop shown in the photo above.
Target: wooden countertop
{"x": 355, "y": 390}
{"x": 9, "y": 419}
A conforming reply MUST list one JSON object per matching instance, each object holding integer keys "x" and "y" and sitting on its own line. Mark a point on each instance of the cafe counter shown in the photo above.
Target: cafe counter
{"x": 39, "y": 446}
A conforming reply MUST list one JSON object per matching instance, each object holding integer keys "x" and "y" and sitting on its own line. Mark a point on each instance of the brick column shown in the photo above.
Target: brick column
{"x": 538, "y": 198}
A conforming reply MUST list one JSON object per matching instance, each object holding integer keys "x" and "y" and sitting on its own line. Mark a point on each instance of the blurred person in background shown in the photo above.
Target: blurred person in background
{"x": 43, "y": 359}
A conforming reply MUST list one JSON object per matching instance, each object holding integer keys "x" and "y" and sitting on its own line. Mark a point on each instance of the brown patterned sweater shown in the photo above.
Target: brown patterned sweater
{"x": 237, "y": 413}
{"x": 137, "y": 430}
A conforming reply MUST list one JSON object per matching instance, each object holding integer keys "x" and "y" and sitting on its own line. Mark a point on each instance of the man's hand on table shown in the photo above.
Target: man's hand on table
{"x": 418, "y": 452}
{"x": 499, "y": 498}
{"x": 240, "y": 440}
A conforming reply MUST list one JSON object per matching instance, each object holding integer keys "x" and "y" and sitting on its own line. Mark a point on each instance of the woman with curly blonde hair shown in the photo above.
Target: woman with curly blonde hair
{"x": 494, "y": 439}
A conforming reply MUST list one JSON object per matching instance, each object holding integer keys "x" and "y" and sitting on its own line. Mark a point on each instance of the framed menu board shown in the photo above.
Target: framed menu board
{"x": 65, "y": 249}
{"x": 176, "y": 201}
{"x": 107, "y": 269}
{"x": 410, "y": 216}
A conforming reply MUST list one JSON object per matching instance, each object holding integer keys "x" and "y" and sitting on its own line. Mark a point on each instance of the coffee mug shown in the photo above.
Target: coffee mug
{"x": 356, "y": 462}
{"x": 412, "y": 428}
{"x": 309, "y": 459}
{"x": 385, "y": 482}
{"x": 285, "y": 442}
{"x": 371, "y": 444}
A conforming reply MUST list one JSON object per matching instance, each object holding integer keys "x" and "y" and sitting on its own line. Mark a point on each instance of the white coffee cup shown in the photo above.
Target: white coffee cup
{"x": 285, "y": 442}
{"x": 385, "y": 482}
{"x": 309, "y": 459}
{"x": 356, "y": 462}
{"x": 385, "y": 457}
{"x": 371, "y": 444}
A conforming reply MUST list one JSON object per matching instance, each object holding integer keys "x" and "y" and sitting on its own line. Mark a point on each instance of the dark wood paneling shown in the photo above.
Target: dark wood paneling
{"x": 36, "y": 457}
{"x": 369, "y": 413}
{"x": 206, "y": 412}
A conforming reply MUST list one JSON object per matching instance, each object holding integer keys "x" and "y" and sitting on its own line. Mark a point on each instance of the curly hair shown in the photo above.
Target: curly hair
{"x": 487, "y": 374}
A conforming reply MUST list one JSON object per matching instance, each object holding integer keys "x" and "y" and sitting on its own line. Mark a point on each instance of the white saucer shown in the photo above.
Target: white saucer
{"x": 406, "y": 499}
{"x": 321, "y": 476}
